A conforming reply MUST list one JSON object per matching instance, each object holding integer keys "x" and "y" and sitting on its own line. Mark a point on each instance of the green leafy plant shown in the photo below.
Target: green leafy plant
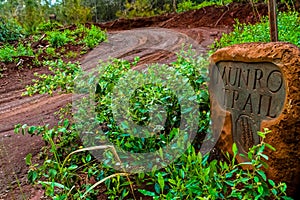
{"x": 141, "y": 8}
{"x": 94, "y": 36}
{"x": 6, "y": 53}
{"x": 193, "y": 177}
{"x": 62, "y": 78}
{"x": 10, "y": 30}
{"x": 49, "y": 26}
{"x": 9, "y": 53}
{"x": 69, "y": 168}
{"x": 90, "y": 37}
{"x": 58, "y": 39}
{"x": 143, "y": 100}
{"x": 187, "y": 5}
{"x": 288, "y": 31}
{"x": 58, "y": 174}
{"x": 50, "y": 51}
{"x": 71, "y": 54}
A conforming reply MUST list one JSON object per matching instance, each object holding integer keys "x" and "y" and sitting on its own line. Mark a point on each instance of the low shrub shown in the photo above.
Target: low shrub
{"x": 94, "y": 36}
{"x": 9, "y": 53}
{"x": 288, "y": 31}
{"x": 192, "y": 176}
{"x": 88, "y": 36}
{"x": 10, "y": 30}
{"x": 141, "y": 8}
{"x": 62, "y": 77}
{"x": 68, "y": 169}
{"x": 48, "y": 26}
{"x": 58, "y": 39}
{"x": 187, "y": 5}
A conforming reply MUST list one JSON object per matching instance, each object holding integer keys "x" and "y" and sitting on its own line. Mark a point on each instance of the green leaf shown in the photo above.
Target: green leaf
{"x": 172, "y": 181}
{"x": 24, "y": 126}
{"x": 28, "y": 159}
{"x": 234, "y": 149}
{"x": 244, "y": 180}
{"x": 284, "y": 197}
{"x": 161, "y": 153}
{"x": 262, "y": 174}
{"x": 32, "y": 176}
{"x": 260, "y": 189}
{"x": 264, "y": 156}
{"x": 264, "y": 164}
{"x": 147, "y": 193}
{"x": 261, "y": 134}
{"x": 274, "y": 191}
{"x": 31, "y": 130}
{"x": 283, "y": 188}
{"x": 229, "y": 175}
{"x": 181, "y": 173}
{"x": 161, "y": 182}
{"x": 250, "y": 155}
{"x": 124, "y": 125}
{"x": 270, "y": 147}
{"x": 52, "y": 173}
{"x": 55, "y": 184}
{"x": 66, "y": 123}
{"x": 17, "y": 127}
{"x": 272, "y": 183}
{"x": 72, "y": 167}
{"x": 230, "y": 183}
{"x": 124, "y": 193}
{"x": 88, "y": 158}
{"x": 157, "y": 188}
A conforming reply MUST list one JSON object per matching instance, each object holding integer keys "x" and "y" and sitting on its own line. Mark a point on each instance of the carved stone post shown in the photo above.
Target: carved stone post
{"x": 255, "y": 86}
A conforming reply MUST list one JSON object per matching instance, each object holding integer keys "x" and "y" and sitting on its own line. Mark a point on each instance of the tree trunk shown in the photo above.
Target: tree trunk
{"x": 174, "y": 5}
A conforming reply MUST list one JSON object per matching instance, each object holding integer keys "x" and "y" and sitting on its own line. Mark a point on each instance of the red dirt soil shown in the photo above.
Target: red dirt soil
{"x": 39, "y": 109}
{"x": 211, "y": 16}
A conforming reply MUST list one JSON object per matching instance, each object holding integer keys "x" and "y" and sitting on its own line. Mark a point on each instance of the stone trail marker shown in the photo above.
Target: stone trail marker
{"x": 255, "y": 86}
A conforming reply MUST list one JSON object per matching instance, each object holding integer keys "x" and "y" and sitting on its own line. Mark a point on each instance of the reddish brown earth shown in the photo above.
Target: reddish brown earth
{"x": 151, "y": 44}
{"x": 206, "y": 17}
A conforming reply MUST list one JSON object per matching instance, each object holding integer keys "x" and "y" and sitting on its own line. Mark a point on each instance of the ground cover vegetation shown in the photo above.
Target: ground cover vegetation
{"x": 70, "y": 171}
{"x": 193, "y": 5}
{"x": 288, "y": 31}
{"x": 51, "y": 41}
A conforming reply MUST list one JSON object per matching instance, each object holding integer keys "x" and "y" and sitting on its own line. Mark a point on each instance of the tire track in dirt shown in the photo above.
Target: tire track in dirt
{"x": 150, "y": 44}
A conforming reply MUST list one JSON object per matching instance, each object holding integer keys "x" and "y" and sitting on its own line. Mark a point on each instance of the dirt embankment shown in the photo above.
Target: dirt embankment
{"x": 211, "y": 16}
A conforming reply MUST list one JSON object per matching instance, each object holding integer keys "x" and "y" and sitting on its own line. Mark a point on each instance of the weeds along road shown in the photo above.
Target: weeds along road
{"x": 150, "y": 44}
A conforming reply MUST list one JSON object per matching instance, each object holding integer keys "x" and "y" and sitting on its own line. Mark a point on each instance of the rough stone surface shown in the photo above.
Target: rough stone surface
{"x": 255, "y": 86}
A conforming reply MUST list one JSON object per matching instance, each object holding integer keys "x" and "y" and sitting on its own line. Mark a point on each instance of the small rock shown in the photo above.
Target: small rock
{"x": 213, "y": 34}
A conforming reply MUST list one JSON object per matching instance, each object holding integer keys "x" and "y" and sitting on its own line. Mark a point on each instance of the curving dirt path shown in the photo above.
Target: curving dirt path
{"x": 150, "y": 44}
